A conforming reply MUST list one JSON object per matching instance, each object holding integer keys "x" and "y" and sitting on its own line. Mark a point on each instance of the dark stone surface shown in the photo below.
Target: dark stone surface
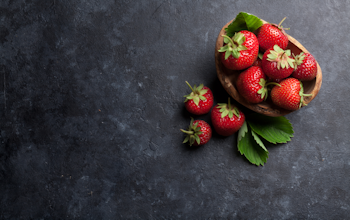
{"x": 91, "y": 103}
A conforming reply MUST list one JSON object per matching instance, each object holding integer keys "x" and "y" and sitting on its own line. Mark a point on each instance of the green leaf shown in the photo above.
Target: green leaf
{"x": 236, "y": 111}
{"x": 248, "y": 147}
{"x": 224, "y": 113}
{"x": 196, "y": 100}
{"x": 235, "y": 54}
{"x": 192, "y": 139}
{"x": 242, "y": 131}
{"x": 243, "y": 21}
{"x": 230, "y": 114}
{"x": 203, "y": 91}
{"x": 258, "y": 141}
{"x": 226, "y": 41}
{"x": 273, "y": 129}
{"x": 227, "y": 54}
{"x": 197, "y": 139}
{"x": 186, "y": 139}
{"x": 241, "y": 47}
{"x": 200, "y": 87}
{"x": 224, "y": 48}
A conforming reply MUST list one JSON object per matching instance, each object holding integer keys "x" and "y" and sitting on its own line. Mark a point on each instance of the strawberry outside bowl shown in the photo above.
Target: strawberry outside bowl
{"x": 228, "y": 80}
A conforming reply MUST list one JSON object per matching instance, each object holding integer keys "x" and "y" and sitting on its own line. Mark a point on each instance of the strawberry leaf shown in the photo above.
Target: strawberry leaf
{"x": 243, "y": 21}
{"x": 258, "y": 141}
{"x": 273, "y": 129}
{"x": 242, "y": 131}
{"x": 248, "y": 146}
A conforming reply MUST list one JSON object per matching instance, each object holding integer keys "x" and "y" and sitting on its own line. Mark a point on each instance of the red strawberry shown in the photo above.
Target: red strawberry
{"x": 289, "y": 95}
{"x": 240, "y": 51}
{"x": 227, "y": 119}
{"x": 277, "y": 63}
{"x": 252, "y": 84}
{"x": 258, "y": 60}
{"x": 200, "y": 100}
{"x": 198, "y": 133}
{"x": 271, "y": 34}
{"x": 305, "y": 68}
{"x": 274, "y": 80}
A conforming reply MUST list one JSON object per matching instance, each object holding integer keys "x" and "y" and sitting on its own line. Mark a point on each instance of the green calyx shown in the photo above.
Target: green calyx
{"x": 263, "y": 91}
{"x": 282, "y": 57}
{"x": 233, "y": 45}
{"x": 227, "y": 109}
{"x": 299, "y": 59}
{"x": 196, "y": 94}
{"x": 301, "y": 93}
{"x": 192, "y": 133}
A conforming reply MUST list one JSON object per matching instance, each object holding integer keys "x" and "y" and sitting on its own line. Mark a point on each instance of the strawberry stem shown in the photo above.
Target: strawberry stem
{"x": 228, "y": 38}
{"x": 190, "y": 86}
{"x": 279, "y": 25}
{"x": 272, "y": 83}
{"x": 186, "y": 132}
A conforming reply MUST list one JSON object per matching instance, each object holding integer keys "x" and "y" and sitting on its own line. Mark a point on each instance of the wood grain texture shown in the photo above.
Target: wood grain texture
{"x": 228, "y": 80}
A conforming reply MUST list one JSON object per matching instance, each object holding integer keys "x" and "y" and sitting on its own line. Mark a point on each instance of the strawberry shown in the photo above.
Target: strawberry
{"x": 198, "y": 133}
{"x": 226, "y": 119}
{"x": 271, "y": 34}
{"x": 258, "y": 60}
{"x": 305, "y": 68}
{"x": 277, "y": 63}
{"x": 200, "y": 100}
{"x": 289, "y": 94}
{"x": 274, "y": 80}
{"x": 252, "y": 84}
{"x": 240, "y": 51}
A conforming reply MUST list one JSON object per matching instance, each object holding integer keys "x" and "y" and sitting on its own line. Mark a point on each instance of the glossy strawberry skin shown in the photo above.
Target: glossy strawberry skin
{"x": 271, "y": 70}
{"x": 204, "y": 106}
{"x": 287, "y": 96}
{"x": 247, "y": 57}
{"x": 307, "y": 70}
{"x": 269, "y": 35}
{"x": 226, "y": 126}
{"x": 248, "y": 84}
{"x": 207, "y": 132}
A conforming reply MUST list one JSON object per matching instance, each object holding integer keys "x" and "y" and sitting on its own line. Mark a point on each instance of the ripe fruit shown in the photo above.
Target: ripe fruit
{"x": 200, "y": 100}
{"x": 272, "y": 34}
{"x": 289, "y": 95}
{"x": 252, "y": 84}
{"x": 226, "y": 119}
{"x": 199, "y": 132}
{"x": 240, "y": 51}
{"x": 277, "y": 63}
{"x": 258, "y": 60}
{"x": 305, "y": 68}
{"x": 274, "y": 80}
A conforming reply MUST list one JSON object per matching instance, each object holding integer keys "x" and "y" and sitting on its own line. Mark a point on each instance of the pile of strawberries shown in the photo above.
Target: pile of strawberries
{"x": 226, "y": 118}
{"x": 267, "y": 67}
{"x": 275, "y": 66}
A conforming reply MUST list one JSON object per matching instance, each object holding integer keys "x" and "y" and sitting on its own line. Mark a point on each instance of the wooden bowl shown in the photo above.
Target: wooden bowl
{"x": 228, "y": 80}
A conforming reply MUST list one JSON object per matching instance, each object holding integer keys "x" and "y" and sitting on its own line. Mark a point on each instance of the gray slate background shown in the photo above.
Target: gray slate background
{"x": 91, "y": 103}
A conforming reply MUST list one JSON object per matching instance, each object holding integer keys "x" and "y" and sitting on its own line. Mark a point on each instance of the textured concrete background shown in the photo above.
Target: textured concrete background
{"x": 91, "y": 103}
